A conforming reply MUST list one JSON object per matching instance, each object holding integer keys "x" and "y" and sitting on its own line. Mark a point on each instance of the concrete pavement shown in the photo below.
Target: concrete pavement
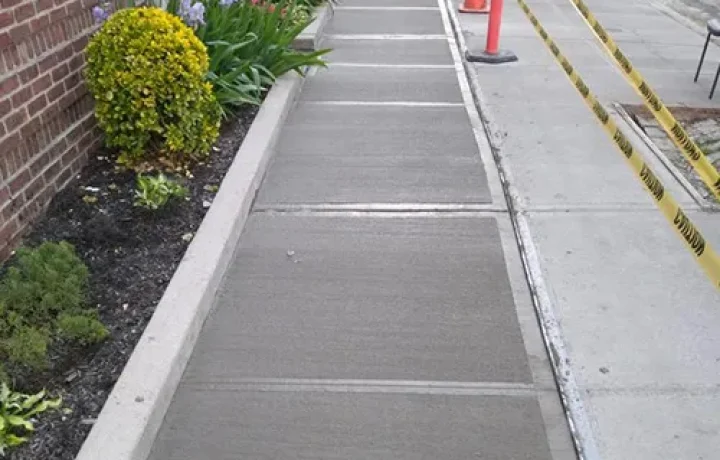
{"x": 637, "y": 319}
{"x": 376, "y": 307}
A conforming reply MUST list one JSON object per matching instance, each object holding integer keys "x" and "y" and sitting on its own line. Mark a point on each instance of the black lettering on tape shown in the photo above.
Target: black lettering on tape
{"x": 624, "y": 63}
{"x": 583, "y": 9}
{"x": 600, "y": 32}
{"x": 652, "y": 182}
{"x": 567, "y": 66}
{"x": 716, "y": 185}
{"x": 582, "y": 87}
{"x": 687, "y": 144}
{"x": 689, "y": 232}
{"x": 622, "y": 142}
{"x": 650, "y": 96}
{"x": 554, "y": 49}
{"x": 601, "y": 112}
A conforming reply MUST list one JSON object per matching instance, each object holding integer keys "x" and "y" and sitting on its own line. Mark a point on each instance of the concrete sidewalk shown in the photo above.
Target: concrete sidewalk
{"x": 637, "y": 318}
{"x": 376, "y": 307}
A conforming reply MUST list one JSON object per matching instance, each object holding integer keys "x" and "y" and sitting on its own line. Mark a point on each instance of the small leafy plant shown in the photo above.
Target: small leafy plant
{"x": 154, "y": 192}
{"x": 43, "y": 285}
{"x": 17, "y": 411}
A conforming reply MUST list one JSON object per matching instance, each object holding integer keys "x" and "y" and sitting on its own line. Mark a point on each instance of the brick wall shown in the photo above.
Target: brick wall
{"x": 46, "y": 124}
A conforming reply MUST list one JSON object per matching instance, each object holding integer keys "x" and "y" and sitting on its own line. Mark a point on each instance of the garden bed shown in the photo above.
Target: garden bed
{"x": 131, "y": 254}
{"x": 703, "y": 126}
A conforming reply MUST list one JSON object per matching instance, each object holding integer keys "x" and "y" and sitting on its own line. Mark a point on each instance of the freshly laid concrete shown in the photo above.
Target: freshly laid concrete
{"x": 404, "y": 299}
{"x": 360, "y": 154}
{"x": 376, "y": 307}
{"x": 636, "y": 315}
{"x": 350, "y": 426}
{"x": 370, "y": 22}
{"x": 389, "y": 52}
{"x": 383, "y": 84}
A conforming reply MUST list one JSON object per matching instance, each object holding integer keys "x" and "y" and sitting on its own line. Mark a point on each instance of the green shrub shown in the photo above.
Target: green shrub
{"x": 83, "y": 329}
{"x": 42, "y": 286}
{"x": 154, "y": 192}
{"x": 146, "y": 71}
{"x": 17, "y": 411}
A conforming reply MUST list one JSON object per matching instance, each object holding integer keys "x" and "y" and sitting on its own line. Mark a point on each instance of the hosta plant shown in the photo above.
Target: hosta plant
{"x": 17, "y": 412}
{"x": 154, "y": 192}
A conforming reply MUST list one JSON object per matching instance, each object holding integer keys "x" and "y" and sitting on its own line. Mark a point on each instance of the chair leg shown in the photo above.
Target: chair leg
{"x": 702, "y": 58}
{"x": 717, "y": 74}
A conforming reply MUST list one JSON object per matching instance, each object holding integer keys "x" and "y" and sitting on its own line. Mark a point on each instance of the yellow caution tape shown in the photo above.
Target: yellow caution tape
{"x": 690, "y": 234}
{"x": 674, "y": 130}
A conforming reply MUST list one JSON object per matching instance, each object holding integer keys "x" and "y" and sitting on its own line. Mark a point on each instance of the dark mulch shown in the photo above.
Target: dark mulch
{"x": 131, "y": 254}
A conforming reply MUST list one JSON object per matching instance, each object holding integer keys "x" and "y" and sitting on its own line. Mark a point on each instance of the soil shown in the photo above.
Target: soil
{"x": 131, "y": 254}
{"x": 701, "y": 124}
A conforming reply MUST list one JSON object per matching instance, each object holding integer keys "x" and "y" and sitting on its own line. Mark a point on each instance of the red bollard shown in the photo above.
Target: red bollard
{"x": 493, "y": 54}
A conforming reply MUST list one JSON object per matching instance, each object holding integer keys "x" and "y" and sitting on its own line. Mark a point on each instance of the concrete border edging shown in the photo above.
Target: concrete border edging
{"x": 134, "y": 411}
{"x": 310, "y": 38}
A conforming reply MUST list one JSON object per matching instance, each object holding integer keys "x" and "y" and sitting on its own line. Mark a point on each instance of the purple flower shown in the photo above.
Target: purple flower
{"x": 227, "y": 2}
{"x": 194, "y": 14}
{"x": 100, "y": 15}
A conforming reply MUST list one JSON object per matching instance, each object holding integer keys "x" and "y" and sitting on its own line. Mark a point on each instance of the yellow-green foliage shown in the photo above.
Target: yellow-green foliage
{"x": 146, "y": 71}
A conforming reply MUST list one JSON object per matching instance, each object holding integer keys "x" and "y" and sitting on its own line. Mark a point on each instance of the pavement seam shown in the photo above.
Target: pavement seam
{"x": 380, "y": 207}
{"x": 387, "y": 103}
{"x": 385, "y": 37}
{"x": 393, "y": 66}
{"x": 368, "y": 386}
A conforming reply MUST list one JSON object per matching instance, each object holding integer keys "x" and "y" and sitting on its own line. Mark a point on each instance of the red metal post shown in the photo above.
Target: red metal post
{"x": 493, "y": 37}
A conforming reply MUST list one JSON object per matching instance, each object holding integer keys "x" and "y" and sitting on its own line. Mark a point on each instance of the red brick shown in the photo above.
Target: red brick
{"x": 47, "y": 63}
{"x": 36, "y": 105}
{"x": 19, "y": 182}
{"x": 4, "y": 107}
{"x": 31, "y": 127}
{"x": 57, "y": 14}
{"x": 15, "y": 120}
{"x": 43, "y": 5}
{"x": 5, "y": 39}
{"x": 56, "y": 92}
{"x": 41, "y": 84}
{"x": 8, "y": 230}
{"x": 24, "y": 11}
{"x": 19, "y": 98}
{"x": 9, "y": 85}
{"x": 11, "y": 142}
{"x": 40, "y": 23}
{"x": 20, "y": 33}
{"x": 72, "y": 81}
{"x": 74, "y": 7}
{"x": 79, "y": 44}
{"x": 28, "y": 74}
{"x": 9, "y": 3}
{"x": 5, "y": 19}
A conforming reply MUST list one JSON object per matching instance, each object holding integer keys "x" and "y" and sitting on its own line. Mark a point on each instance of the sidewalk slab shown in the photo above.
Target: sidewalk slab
{"x": 359, "y": 154}
{"x": 364, "y": 298}
{"x": 396, "y": 3}
{"x": 383, "y": 84}
{"x": 404, "y": 22}
{"x": 392, "y": 52}
{"x": 235, "y": 424}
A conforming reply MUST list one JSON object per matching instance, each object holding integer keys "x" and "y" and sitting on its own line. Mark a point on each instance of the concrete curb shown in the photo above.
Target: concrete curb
{"x": 310, "y": 38}
{"x": 131, "y": 417}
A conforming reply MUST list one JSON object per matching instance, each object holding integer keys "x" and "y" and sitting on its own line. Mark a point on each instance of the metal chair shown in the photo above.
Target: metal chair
{"x": 713, "y": 27}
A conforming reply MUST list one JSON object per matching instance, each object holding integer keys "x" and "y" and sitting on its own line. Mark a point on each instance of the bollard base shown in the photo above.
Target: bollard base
{"x": 462, "y": 9}
{"x": 501, "y": 57}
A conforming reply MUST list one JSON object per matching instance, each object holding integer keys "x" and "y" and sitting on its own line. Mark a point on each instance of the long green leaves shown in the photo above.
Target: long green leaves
{"x": 249, "y": 46}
